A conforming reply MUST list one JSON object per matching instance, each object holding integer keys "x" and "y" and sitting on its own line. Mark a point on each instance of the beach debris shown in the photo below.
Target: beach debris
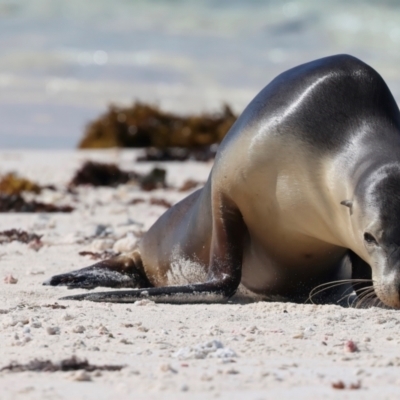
{"x": 53, "y": 330}
{"x": 18, "y": 235}
{"x": 232, "y": 371}
{"x": 137, "y": 200}
{"x": 350, "y": 347}
{"x": 100, "y": 174}
{"x": 125, "y": 245}
{"x": 189, "y": 184}
{"x": 55, "y": 306}
{"x": 184, "y": 387}
{"x": 99, "y": 255}
{"x": 35, "y": 244}
{"x": 16, "y": 203}
{"x": 68, "y": 364}
{"x": 11, "y": 183}
{"x": 340, "y": 385}
{"x": 144, "y": 125}
{"x": 14, "y": 320}
{"x": 81, "y": 376}
{"x": 79, "y": 329}
{"x": 168, "y": 368}
{"x": 201, "y": 153}
{"x": 155, "y": 179}
{"x": 100, "y": 245}
{"x": 10, "y": 280}
{"x": 154, "y": 201}
{"x": 160, "y": 202}
{"x": 211, "y": 349}
{"x": 103, "y": 174}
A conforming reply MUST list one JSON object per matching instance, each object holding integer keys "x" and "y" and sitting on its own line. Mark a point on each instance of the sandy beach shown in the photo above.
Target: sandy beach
{"x": 227, "y": 351}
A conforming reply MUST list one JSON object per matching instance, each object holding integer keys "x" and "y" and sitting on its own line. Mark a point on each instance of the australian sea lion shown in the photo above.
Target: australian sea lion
{"x": 305, "y": 190}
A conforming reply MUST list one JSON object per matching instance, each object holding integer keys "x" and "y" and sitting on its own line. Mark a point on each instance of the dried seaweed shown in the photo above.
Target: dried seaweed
{"x": 12, "y": 235}
{"x": 16, "y": 203}
{"x": 99, "y": 256}
{"x": 160, "y": 202}
{"x": 100, "y": 174}
{"x": 103, "y": 174}
{"x": 13, "y": 184}
{"x": 143, "y": 125}
{"x": 153, "y": 201}
{"x": 55, "y": 306}
{"x": 69, "y": 364}
{"x": 203, "y": 153}
{"x": 155, "y": 179}
{"x": 137, "y": 200}
{"x": 189, "y": 185}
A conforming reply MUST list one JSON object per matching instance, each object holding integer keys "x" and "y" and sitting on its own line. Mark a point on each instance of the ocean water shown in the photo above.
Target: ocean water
{"x": 63, "y": 62}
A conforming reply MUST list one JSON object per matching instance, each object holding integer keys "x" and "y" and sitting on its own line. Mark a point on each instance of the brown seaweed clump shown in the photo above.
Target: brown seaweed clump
{"x": 16, "y": 203}
{"x": 13, "y": 184}
{"x": 201, "y": 153}
{"x": 99, "y": 256}
{"x": 18, "y": 235}
{"x": 102, "y": 174}
{"x": 144, "y": 125}
{"x": 69, "y": 364}
{"x": 11, "y": 188}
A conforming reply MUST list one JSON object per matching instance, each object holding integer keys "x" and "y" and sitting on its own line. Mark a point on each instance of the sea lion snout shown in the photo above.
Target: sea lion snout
{"x": 386, "y": 276}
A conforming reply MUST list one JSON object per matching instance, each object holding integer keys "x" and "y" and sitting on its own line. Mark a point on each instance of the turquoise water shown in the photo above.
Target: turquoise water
{"x": 63, "y": 62}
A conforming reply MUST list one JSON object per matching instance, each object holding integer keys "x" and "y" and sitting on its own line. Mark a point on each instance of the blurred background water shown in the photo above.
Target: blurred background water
{"x": 63, "y": 61}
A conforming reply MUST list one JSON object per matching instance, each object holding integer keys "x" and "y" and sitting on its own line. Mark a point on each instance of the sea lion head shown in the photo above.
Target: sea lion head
{"x": 376, "y": 222}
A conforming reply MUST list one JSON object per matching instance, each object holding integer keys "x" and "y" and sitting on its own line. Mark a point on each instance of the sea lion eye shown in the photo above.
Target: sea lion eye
{"x": 370, "y": 239}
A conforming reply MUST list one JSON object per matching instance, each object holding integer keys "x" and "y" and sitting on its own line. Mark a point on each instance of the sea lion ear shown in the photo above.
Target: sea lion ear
{"x": 348, "y": 203}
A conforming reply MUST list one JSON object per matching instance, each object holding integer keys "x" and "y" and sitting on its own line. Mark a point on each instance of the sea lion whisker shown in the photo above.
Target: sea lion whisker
{"x": 361, "y": 293}
{"x": 362, "y": 300}
{"x": 332, "y": 284}
{"x": 348, "y": 295}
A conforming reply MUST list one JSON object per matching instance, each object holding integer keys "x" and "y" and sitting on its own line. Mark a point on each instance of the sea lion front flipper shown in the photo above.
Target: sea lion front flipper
{"x": 117, "y": 272}
{"x": 224, "y": 273}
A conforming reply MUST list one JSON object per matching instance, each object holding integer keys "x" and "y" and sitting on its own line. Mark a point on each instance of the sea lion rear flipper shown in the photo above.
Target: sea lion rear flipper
{"x": 198, "y": 293}
{"x": 224, "y": 274}
{"x": 117, "y": 272}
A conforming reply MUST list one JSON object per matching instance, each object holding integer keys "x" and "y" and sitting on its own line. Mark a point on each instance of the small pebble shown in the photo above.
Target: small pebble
{"x": 10, "y": 280}
{"x": 103, "y": 330}
{"x": 232, "y": 371}
{"x": 79, "y": 329}
{"x": 81, "y": 376}
{"x": 298, "y": 336}
{"x": 350, "y": 347}
{"x": 167, "y": 368}
{"x": 53, "y": 330}
{"x": 34, "y": 323}
{"x": 67, "y": 317}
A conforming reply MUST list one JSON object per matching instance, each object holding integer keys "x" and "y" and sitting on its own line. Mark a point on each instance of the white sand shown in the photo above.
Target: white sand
{"x": 283, "y": 350}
